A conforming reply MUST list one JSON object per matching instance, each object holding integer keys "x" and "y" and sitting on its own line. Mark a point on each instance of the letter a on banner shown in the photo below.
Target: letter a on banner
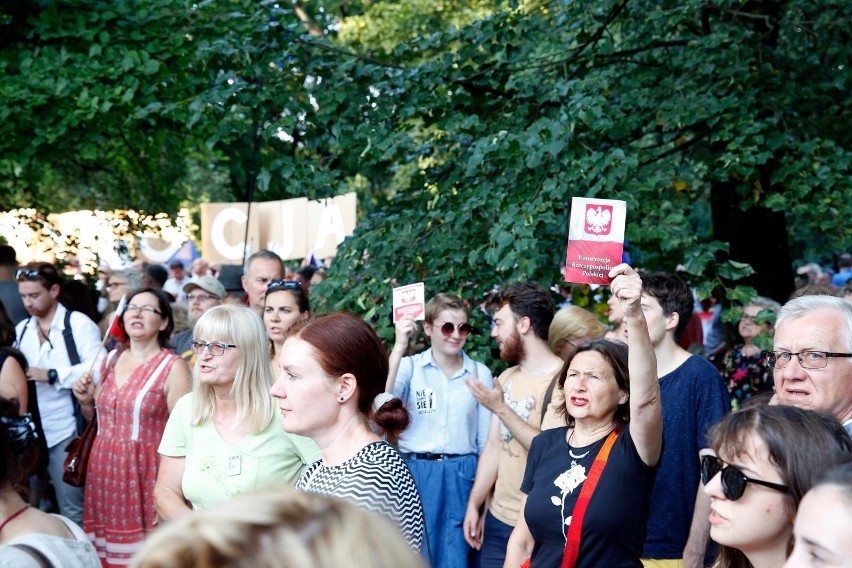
{"x": 595, "y": 239}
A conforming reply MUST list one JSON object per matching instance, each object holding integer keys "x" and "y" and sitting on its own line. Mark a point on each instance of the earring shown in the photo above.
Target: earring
{"x": 341, "y": 399}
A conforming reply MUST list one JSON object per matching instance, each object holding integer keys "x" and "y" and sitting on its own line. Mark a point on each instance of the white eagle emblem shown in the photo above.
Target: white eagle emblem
{"x": 597, "y": 220}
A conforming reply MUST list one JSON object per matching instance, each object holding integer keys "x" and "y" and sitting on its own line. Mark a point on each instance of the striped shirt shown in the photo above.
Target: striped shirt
{"x": 375, "y": 479}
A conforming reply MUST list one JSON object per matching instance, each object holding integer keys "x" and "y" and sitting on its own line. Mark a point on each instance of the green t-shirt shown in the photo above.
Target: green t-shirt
{"x": 216, "y": 471}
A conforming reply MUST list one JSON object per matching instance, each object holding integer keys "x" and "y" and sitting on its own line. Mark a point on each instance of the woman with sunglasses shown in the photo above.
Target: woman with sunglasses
{"x": 448, "y": 426}
{"x": 762, "y": 460}
{"x": 587, "y": 484}
{"x": 140, "y": 383}
{"x": 222, "y": 439}
{"x": 286, "y": 302}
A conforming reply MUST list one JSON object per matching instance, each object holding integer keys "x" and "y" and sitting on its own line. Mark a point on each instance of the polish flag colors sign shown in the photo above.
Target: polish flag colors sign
{"x": 595, "y": 239}
{"x": 409, "y": 302}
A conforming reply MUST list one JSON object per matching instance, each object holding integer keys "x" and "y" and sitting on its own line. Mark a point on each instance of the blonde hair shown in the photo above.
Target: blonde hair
{"x": 573, "y": 322}
{"x": 241, "y": 326}
{"x": 281, "y": 529}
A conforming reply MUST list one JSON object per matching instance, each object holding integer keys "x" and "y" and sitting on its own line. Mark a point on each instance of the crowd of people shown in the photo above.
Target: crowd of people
{"x": 235, "y": 426}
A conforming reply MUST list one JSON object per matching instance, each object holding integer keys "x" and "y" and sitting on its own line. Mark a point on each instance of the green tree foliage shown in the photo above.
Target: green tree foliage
{"x": 659, "y": 104}
{"x": 465, "y": 126}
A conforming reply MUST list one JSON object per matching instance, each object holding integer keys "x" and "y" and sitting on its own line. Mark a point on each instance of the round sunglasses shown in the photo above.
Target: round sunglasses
{"x": 733, "y": 480}
{"x": 448, "y": 328}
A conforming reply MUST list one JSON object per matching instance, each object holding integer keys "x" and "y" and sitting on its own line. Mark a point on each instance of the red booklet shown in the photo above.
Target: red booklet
{"x": 595, "y": 239}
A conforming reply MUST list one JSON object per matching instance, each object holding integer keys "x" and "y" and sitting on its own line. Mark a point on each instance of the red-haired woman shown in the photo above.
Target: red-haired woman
{"x": 332, "y": 382}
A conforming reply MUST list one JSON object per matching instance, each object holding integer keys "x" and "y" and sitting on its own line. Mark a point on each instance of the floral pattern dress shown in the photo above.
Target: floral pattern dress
{"x": 118, "y": 507}
{"x": 746, "y": 376}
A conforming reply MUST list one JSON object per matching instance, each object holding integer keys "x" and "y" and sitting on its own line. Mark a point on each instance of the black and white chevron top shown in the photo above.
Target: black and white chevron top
{"x": 375, "y": 479}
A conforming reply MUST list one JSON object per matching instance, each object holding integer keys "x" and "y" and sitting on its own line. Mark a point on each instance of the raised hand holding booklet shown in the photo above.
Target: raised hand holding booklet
{"x": 595, "y": 239}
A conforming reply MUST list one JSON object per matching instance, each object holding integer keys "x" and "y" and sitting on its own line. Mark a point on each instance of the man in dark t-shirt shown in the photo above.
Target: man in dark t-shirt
{"x": 694, "y": 397}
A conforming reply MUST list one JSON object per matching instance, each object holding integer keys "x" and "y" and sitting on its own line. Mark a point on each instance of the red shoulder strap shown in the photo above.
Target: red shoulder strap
{"x": 572, "y": 542}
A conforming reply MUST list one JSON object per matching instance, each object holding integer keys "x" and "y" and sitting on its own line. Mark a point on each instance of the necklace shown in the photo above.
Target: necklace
{"x": 571, "y": 452}
{"x": 14, "y": 516}
{"x": 581, "y": 456}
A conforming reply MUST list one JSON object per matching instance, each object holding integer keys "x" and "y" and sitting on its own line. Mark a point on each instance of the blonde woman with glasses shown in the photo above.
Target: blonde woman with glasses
{"x": 221, "y": 439}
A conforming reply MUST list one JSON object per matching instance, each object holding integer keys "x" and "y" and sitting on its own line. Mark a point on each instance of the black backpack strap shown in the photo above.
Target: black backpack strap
{"x": 68, "y": 336}
{"x": 74, "y": 359}
{"x": 23, "y": 330}
{"x": 548, "y": 395}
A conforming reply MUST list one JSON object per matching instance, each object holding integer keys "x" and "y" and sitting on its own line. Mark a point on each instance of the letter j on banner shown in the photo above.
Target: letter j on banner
{"x": 595, "y": 239}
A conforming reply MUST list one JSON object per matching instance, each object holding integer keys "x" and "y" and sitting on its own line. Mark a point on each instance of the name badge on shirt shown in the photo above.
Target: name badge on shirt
{"x": 425, "y": 401}
{"x": 233, "y": 465}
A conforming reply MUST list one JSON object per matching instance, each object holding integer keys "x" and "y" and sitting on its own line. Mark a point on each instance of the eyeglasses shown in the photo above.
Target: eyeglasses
{"x": 27, "y": 274}
{"x": 114, "y": 284}
{"x": 284, "y": 285}
{"x": 807, "y": 359}
{"x": 733, "y": 480}
{"x": 215, "y": 348}
{"x": 147, "y": 309}
{"x": 201, "y": 297}
{"x": 448, "y": 328}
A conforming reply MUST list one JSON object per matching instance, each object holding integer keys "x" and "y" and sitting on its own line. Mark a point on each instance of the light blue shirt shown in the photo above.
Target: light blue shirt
{"x": 445, "y": 417}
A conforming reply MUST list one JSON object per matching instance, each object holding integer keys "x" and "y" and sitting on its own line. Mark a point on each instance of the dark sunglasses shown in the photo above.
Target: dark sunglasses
{"x": 448, "y": 328}
{"x": 27, "y": 274}
{"x": 284, "y": 285}
{"x": 733, "y": 480}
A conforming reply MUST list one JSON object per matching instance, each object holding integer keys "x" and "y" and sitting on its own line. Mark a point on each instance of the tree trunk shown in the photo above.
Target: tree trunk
{"x": 757, "y": 236}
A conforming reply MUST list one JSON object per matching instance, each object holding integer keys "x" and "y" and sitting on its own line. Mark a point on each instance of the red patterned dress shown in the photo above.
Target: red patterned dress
{"x": 118, "y": 507}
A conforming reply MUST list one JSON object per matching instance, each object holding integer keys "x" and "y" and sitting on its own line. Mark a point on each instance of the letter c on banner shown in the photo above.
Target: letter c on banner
{"x": 218, "y": 232}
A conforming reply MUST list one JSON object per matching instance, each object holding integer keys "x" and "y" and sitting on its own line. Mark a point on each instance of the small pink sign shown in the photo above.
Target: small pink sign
{"x": 409, "y": 301}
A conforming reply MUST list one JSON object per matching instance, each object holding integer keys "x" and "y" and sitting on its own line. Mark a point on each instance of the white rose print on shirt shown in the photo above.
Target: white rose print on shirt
{"x": 567, "y": 482}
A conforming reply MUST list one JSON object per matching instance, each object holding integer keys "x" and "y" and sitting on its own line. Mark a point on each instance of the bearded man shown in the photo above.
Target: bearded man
{"x": 522, "y": 317}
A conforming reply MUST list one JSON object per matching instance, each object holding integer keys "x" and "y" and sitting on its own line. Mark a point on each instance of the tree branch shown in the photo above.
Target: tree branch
{"x": 679, "y": 148}
{"x": 310, "y": 24}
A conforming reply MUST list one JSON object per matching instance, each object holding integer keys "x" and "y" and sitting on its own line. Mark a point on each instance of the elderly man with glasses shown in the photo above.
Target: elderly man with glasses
{"x": 60, "y": 346}
{"x": 812, "y": 356}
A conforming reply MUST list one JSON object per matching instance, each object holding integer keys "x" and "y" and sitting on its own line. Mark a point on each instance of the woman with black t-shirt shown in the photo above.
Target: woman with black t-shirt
{"x": 605, "y": 387}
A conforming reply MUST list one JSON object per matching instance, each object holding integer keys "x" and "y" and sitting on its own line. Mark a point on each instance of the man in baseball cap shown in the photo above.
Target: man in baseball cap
{"x": 202, "y": 293}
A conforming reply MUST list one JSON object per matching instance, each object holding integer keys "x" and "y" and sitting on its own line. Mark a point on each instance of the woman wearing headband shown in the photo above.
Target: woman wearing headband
{"x": 26, "y": 532}
{"x": 333, "y": 373}
{"x": 448, "y": 426}
{"x": 286, "y": 302}
{"x": 761, "y": 461}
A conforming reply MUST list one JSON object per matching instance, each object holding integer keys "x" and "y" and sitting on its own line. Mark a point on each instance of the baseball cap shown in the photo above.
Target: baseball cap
{"x": 208, "y": 284}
